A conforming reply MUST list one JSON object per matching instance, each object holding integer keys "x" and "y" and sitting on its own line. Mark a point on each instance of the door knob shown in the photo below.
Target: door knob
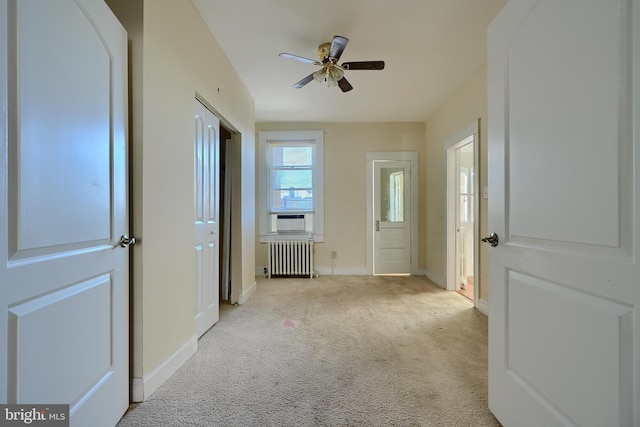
{"x": 492, "y": 240}
{"x": 126, "y": 241}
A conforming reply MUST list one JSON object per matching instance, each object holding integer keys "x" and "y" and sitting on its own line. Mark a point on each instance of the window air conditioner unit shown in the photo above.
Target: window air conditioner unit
{"x": 290, "y": 223}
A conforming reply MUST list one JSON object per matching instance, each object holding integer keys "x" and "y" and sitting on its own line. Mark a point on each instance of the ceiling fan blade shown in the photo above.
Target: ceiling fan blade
{"x": 344, "y": 85}
{"x": 304, "y": 81}
{"x": 300, "y": 58}
{"x": 337, "y": 47}
{"x": 364, "y": 65}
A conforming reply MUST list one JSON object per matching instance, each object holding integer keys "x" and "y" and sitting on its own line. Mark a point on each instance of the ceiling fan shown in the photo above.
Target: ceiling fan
{"x": 331, "y": 72}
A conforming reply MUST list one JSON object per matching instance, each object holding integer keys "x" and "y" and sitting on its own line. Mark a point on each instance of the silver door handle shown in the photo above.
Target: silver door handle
{"x": 492, "y": 240}
{"x": 126, "y": 241}
{"x": 377, "y": 225}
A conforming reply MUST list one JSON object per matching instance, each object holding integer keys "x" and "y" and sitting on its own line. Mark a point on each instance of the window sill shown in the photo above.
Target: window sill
{"x": 317, "y": 238}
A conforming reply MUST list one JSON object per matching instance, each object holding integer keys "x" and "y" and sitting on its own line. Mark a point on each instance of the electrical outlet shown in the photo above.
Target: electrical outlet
{"x": 334, "y": 254}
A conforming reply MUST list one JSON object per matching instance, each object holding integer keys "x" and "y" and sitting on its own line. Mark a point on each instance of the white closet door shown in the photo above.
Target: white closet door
{"x": 207, "y": 219}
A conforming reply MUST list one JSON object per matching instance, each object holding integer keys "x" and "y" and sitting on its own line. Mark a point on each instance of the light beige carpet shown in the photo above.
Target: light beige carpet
{"x": 333, "y": 351}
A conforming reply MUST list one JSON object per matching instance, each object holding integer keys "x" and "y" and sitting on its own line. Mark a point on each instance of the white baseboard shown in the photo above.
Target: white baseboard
{"x": 361, "y": 271}
{"x": 342, "y": 271}
{"x": 244, "y": 296}
{"x": 435, "y": 279}
{"x": 483, "y": 306}
{"x": 419, "y": 272}
{"x": 328, "y": 271}
{"x": 143, "y": 388}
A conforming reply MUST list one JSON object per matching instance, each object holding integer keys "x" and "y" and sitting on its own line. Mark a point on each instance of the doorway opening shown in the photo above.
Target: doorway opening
{"x": 462, "y": 212}
{"x": 226, "y": 139}
{"x": 465, "y": 220}
{"x": 217, "y": 167}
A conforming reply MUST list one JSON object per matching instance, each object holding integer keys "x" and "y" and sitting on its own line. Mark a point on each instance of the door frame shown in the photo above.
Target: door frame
{"x": 412, "y": 157}
{"x": 470, "y": 134}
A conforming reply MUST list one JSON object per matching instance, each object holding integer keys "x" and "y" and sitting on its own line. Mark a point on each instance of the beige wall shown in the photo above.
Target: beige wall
{"x": 345, "y": 145}
{"x": 465, "y": 106}
{"x": 173, "y": 58}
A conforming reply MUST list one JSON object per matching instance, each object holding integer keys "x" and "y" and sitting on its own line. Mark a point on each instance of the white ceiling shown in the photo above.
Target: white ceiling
{"x": 430, "y": 48}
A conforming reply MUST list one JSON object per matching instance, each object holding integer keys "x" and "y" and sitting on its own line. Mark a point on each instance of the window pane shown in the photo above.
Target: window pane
{"x": 464, "y": 208}
{"x": 464, "y": 180}
{"x": 291, "y": 156}
{"x": 291, "y": 178}
{"x": 392, "y": 194}
{"x": 292, "y": 200}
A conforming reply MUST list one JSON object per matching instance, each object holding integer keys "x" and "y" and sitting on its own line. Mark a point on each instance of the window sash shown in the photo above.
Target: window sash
{"x": 285, "y": 179}
{"x": 296, "y": 205}
{"x": 279, "y": 156}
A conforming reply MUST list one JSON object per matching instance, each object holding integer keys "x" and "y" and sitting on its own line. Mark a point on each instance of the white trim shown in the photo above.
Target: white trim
{"x": 451, "y": 144}
{"x": 483, "y": 306}
{"x": 438, "y": 280}
{"x": 288, "y": 236}
{"x": 244, "y": 296}
{"x": 362, "y": 271}
{"x": 143, "y": 388}
{"x": 412, "y": 157}
{"x": 468, "y": 130}
{"x": 313, "y": 136}
{"x": 327, "y": 271}
{"x": 342, "y": 271}
{"x": 419, "y": 272}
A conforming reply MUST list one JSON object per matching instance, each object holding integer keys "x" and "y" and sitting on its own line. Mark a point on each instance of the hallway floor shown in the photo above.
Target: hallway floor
{"x": 468, "y": 288}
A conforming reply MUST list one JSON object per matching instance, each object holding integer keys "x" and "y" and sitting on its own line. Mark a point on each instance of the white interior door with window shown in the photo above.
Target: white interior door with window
{"x": 391, "y": 198}
{"x": 63, "y": 274}
{"x": 207, "y": 222}
{"x": 392, "y": 216}
{"x": 564, "y": 163}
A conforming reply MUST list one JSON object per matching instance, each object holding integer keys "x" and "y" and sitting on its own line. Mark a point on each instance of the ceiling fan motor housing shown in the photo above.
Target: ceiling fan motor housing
{"x": 323, "y": 51}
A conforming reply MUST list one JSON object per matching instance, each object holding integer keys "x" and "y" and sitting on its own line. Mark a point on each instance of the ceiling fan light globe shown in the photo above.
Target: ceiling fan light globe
{"x": 319, "y": 75}
{"x": 337, "y": 73}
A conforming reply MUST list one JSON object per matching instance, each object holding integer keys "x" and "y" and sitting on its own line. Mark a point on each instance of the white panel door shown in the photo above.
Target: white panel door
{"x": 206, "y": 223}
{"x": 392, "y": 217}
{"x": 63, "y": 275}
{"x": 564, "y": 150}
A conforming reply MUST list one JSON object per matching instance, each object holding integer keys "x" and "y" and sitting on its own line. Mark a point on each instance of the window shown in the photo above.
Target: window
{"x": 291, "y": 184}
